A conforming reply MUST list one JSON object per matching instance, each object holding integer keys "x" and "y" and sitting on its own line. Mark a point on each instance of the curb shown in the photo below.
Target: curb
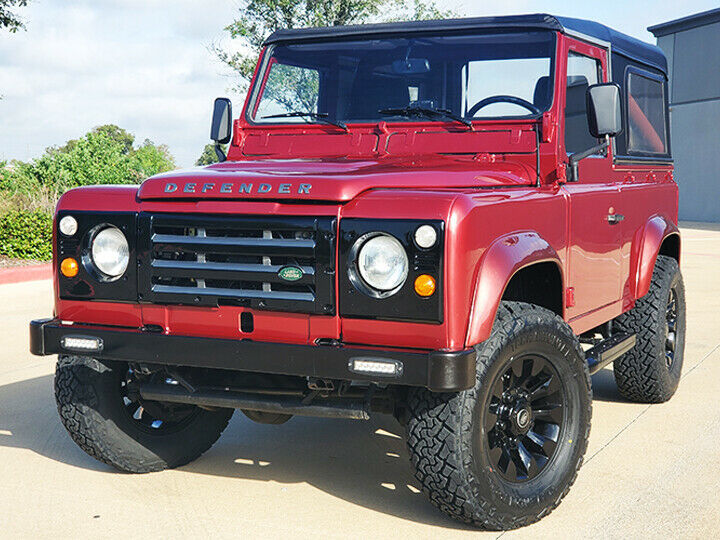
{"x": 18, "y": 274}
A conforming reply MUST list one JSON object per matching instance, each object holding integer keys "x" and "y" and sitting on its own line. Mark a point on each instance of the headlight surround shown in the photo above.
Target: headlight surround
{"x": 110, "y": 252}
{"x": 382, "y": 263}
{"x": 358, "y": 300}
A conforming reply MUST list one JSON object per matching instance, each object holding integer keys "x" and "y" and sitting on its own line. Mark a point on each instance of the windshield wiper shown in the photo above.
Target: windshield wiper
{"x": 428, "y": 112}
{"x": 322, "y": 117}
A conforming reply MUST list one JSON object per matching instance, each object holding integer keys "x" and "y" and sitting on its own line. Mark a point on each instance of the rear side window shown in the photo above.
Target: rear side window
{"x": 645, "y": 114}
{"x": 645, "y": 131}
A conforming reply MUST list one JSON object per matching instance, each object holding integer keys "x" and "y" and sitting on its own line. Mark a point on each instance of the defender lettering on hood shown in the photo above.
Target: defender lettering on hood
{"x": 231, "y": 187}
{"x": 332, "y": 180}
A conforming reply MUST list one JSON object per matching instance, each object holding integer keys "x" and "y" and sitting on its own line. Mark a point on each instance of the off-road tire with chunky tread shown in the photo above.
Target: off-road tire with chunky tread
{"x": 642, "y": 374}
{"x": 87, "y": 392}
{"x": 440, "y": 430}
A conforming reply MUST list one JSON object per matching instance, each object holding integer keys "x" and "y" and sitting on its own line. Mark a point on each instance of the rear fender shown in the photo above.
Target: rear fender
{"x": 500, "y": 262}
{"x": 656, "y": 230}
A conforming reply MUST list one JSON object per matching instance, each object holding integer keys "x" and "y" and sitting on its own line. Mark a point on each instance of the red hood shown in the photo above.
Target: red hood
{"x": 330, "y": 180}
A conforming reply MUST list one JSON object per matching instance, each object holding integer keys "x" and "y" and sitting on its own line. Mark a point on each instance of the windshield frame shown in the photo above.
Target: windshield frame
{"x": 265, "y": 63}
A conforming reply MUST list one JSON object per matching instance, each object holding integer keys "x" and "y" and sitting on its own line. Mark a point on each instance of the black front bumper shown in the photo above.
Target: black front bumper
{"x": 439, "y": 371}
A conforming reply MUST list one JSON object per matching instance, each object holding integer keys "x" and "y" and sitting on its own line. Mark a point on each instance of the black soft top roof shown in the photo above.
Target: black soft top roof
{"x": 620, "y": 43}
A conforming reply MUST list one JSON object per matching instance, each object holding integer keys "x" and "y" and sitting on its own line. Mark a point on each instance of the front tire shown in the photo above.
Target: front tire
{"x": 503, "y": 454}
{"x": 650, "y": 372}
{"x": 119, "y": 429}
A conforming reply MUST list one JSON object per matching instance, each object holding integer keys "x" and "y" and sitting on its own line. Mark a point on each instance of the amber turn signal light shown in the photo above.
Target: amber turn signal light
{"x": 425, "y": 285}
{"x": 69, "y": 267}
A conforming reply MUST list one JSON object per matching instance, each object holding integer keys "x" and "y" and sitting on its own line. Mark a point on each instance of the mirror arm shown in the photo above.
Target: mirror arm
{"x": 219, "y": 152}
{"x": 575, "y": 158}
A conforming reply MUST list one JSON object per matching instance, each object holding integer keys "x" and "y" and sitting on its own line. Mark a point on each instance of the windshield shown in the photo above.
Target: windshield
{"x": 469, "y": 76}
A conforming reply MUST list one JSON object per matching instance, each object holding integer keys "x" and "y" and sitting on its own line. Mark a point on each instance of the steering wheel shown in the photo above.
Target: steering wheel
{"x": 502, "y": 99}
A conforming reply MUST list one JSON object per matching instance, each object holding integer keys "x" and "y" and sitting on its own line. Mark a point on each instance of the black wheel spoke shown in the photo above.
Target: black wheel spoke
{"x": 505, "y": 463}
{"x": 517, "y": 370}
{"x": 552, "y": 413}
{"x": 527, "y": 460}
{"x": 495, "y": 454}
{"x": 533, "y": 463}
{"x": 511, "y": 471}
{"x": 540, "y": 387}
{"x": 527, "y": 369}
{"x": 507, "y": 380}
{"x": 491, "y": 418}
{"x": 547, "y": 430}
{"x": 546, "y": 445}
{"x": 497, "y": 390}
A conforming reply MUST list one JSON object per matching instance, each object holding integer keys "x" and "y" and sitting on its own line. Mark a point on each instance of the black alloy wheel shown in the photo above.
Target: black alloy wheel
{"x": 524, "y": 418}
{"x": 154, "y": 417}
{"x": 671, "y": 321}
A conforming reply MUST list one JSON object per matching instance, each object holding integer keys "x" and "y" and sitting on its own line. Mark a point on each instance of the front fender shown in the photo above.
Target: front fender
{"x": 647, "y": 247}
{"x": 500, "y": 262}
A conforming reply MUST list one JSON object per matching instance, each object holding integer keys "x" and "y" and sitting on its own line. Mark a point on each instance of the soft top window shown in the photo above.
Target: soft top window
{"x": 646, "y": 114}
{"x": 645, "y": 134}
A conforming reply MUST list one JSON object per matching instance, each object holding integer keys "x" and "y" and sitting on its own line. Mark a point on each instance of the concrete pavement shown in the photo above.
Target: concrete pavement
{"x": 649, "y": 471}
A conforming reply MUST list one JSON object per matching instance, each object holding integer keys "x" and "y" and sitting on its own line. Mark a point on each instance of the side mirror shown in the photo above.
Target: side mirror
{"x": 603, "y": 110}
{"x": 221, "y": 128}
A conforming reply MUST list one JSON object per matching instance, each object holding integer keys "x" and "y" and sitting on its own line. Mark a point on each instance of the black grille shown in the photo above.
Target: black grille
{"x": 217, "y": 260}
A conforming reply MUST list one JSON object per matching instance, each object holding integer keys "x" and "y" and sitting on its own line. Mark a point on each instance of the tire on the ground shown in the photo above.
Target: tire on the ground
{"x": 88, "y": 396}
{"x": 642, "y": 374}
{"x": 445, "y": 431}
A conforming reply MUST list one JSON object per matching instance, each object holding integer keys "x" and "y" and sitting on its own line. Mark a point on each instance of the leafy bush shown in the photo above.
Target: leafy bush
{"x": 26, "y": 235}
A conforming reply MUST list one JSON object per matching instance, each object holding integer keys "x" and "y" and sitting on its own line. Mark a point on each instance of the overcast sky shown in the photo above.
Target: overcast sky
{"x": 145, "y": 64}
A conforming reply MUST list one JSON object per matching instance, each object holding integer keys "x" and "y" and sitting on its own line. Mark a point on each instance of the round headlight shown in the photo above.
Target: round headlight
{"x": 425, "y": 236}
{"x": 110, "y": 252}
{"x": 383, "y": 263}
{"x": 68, "y": 225}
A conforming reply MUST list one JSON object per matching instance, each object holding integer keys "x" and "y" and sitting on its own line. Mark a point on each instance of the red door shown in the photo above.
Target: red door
{"x": 594, "y": 263}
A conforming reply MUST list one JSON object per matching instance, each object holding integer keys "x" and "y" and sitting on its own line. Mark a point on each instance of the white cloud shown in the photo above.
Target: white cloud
{"x": 142, "y": 65}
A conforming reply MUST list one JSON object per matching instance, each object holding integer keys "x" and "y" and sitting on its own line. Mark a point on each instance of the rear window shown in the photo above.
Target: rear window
{"x": 645, "y": 115}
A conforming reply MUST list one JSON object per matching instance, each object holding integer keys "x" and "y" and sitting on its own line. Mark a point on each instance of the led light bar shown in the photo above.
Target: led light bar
{"x": 375, "y": 366}
{"x": 81, "y": 343}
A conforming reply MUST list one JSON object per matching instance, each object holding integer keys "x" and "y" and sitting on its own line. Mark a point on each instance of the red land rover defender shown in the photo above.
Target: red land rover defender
{"x": 455, "y": 222}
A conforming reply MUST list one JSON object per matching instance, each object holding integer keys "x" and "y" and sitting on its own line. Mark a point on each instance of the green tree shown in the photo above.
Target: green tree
{"x": 208, "y": 155}
{"x": 150, "y": 159}
{"x": 9, "y": 19}
{"x": 105, "y": 155}
{"x": 259, "y": 18}
{"x": 119, "y": 136}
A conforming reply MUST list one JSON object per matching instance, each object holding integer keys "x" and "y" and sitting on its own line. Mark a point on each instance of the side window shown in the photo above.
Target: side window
{"x": 289, "y": 88}
{"x": 645, "y": 115}
{"x": 582, "y": 71}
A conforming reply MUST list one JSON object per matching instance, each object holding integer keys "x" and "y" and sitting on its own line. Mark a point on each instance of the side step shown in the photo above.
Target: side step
{"x": 608, "y": 351}
{"x": 330, "y": 408}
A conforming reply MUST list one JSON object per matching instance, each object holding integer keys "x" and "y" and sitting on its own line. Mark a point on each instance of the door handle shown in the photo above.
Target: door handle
{"x": 614, "y": 219}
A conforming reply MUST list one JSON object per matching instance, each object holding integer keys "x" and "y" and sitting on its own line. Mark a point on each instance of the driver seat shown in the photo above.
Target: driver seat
{"x": 542, "y": 96}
